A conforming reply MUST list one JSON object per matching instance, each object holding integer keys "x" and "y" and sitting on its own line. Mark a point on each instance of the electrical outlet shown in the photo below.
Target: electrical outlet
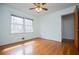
{"x": 22, "y": 38}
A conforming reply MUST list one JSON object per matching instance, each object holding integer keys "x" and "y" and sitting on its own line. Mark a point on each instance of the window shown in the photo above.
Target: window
{"x": 20, "y": 25}
{"x": 28, "y": 26}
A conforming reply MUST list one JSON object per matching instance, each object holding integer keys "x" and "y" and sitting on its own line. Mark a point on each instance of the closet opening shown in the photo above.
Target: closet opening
{"x": 68, "y": 28}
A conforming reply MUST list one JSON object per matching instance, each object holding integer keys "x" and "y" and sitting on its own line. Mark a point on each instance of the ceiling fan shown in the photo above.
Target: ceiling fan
{"x": 39, "y": 7}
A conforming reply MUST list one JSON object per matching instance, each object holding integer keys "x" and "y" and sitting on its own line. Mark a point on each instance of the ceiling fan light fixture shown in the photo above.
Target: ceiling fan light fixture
{"x": 38, "y": 9}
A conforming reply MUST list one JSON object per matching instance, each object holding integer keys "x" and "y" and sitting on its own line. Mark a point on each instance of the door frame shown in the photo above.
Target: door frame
{"x": 76, "y": 39}
{"x": 76, "y": 28}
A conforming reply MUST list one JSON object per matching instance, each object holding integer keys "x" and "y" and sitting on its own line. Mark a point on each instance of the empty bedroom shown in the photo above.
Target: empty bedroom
{"x": 39, "y": 29}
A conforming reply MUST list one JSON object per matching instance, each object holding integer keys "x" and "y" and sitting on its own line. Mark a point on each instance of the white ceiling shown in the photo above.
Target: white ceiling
{"x": 52, "y": 7}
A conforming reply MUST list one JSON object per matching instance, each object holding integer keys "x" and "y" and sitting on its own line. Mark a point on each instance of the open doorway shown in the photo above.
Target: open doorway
{"x": 68, "y": 28}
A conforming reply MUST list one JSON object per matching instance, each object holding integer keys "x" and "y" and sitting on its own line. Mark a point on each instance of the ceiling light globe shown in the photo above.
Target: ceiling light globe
{"x": 38, "y": 9}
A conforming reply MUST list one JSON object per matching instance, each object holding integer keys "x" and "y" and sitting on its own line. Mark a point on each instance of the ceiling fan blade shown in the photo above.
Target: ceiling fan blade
{"x": 31, "y": 8}
{"x": 36, "y": 4}
{"x": 43, "y": 3}
{"x": 45, "y": 9}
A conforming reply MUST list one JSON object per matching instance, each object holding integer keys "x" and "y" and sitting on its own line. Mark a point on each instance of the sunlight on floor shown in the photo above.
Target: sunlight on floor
{"x": 23, "y": 49}
{"x": 28, "y": 48}
{"x": 11, "y": 48}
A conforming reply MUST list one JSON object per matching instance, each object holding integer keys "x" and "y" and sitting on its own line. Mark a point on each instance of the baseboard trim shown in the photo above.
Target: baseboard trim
{"x": 51, "y": 40}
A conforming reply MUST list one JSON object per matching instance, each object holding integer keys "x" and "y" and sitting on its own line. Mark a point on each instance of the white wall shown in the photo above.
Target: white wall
{"x": 50, "y": 24}
{"x": 5, "y": 17}
{"x": 68, "y": 26}
{"x": 47, "y": 26}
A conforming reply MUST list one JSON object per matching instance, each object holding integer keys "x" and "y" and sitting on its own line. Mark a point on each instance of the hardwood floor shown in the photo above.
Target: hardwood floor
{"x": 40, "y": 47}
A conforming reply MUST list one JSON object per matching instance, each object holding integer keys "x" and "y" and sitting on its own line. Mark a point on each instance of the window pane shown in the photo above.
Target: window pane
{"x": 17, "y": 20}
{"x": 28, "y": 29}
{"x": 16, "y": 28}
{"x": 28, "y": 22}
